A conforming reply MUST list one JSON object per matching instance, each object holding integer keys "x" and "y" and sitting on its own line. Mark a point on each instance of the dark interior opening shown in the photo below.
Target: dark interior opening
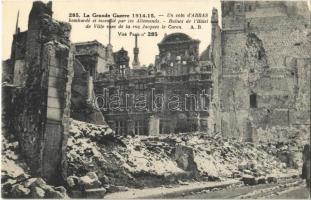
{"x": 253, "y": 100}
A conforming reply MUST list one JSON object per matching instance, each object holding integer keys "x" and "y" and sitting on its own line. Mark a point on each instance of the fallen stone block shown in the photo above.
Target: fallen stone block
{"x": 7, "y": 187}
{"x": 95, "y": 193}
{"x": 236, "y": 174}
{"x": 246, "y": 171}
{"x": 19, "y": 191}
{"x": 29, "y": 182}
{"x": 114, "y": 188}
{"x": 73, "y": 181}
{"x": 37, "y": 182}
{"x": 242, "y": 167}
{"x": 213, "y": 178}
{"x": 90, "y": 181}
{"x": 104, "y": 179}
{"x": 249, "y": 180}
{"x": 37, "y": 192}
{"x": 261, "y": 180}
{"x": 76, "y": 194}
{"x": 53, "y": 194}
{"x": 272, "y": 179}
{"x": 182, "y": 182}
{"x": 22, "y": 177}
{"x": 92, "y": 175}
{"x": 47, "y": 188}
{"x": 61, "y": 189}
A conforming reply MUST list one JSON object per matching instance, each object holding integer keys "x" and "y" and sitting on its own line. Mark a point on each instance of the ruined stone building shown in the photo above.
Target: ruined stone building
{"x": 48, "y": 79}
{"x": 169, "y": 97}
{"x": 262, "y": 68}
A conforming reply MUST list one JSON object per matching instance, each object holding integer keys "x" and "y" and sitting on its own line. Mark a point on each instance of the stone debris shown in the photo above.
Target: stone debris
{"x": 272, "y": 180}
{"x": 249, "y": 180}
{"x": 87, "y": 186}
{"x": 16, "y": 181}
{"x": 90, "y": 181}
{"x": 32, "y": 188}
{"x": 100, "y": 162}
{"x": 261, "y": 180}
{"x": 285, "y": 143}
{"x": 166, "y": 159}
{"x": 114, "y": 188}
{"x": 38, "y": 193}
{"x": 95, "y": 193}
{"x": 20, "y": 191}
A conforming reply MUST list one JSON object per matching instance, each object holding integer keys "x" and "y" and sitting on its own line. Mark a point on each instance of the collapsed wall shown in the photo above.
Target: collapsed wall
{"x": 42, "y": 61}
{"x": 144, "y": 161}
{"x": 264, "y": 68}
{"x": 83, "y": 97}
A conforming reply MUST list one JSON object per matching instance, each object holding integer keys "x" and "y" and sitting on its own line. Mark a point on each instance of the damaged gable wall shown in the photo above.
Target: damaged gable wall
{"x": 265, "y": 72}
{"x": 82, "y": 97}
{"x": 40, "y": 76}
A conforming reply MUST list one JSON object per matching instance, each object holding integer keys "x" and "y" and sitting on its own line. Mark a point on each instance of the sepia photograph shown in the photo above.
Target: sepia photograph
{"x": 167, "y": 99}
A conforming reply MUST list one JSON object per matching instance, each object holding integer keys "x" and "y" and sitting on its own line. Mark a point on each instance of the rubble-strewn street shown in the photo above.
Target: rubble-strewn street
{"x": 287, "y": 189}
{"x": 16, "y": 181}
{"x": 100, "y": 162}
{"x": 146, "y": 161}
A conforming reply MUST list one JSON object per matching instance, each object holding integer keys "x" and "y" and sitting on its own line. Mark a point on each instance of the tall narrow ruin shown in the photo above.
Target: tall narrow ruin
{"x": 42, "y": 62}
{"x": 262, "y": 57}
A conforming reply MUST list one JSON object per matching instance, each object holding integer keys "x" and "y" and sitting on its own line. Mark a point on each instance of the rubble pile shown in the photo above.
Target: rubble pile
{"x": 100, "y": 162}
{"x": 87, "y": 186}
{"x": 141, "y": 161}
{"x": 94, "y": 148}
{"x": 278, "y": 134}
{"x": 286, "y": 143}
{"x": 216, "y": 157}
{"x": 15, "y": 179}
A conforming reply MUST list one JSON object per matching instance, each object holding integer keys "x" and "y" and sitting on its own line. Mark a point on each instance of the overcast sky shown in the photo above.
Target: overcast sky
{"x": 147, "y": 45}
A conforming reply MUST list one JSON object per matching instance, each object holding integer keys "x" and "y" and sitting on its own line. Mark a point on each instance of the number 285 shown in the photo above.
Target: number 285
{"x": 74, "y": 15}
{"x": 152, "y": 34}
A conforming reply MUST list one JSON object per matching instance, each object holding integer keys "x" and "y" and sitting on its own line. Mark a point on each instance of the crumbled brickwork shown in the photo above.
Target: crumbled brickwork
{"x": 264, "y": 74}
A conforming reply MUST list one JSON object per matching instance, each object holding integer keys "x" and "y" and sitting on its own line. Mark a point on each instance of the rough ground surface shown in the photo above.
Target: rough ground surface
{"x": 144, "y": 161}
{"x": 16, "y": 181}
{"x": 284, "y": 189}
{"x": 100, "y": 162}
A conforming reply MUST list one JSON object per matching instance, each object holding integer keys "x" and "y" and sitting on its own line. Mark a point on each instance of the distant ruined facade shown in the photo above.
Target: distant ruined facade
{"x": 262, "y": 60}
{"x": 169, "y": 97}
